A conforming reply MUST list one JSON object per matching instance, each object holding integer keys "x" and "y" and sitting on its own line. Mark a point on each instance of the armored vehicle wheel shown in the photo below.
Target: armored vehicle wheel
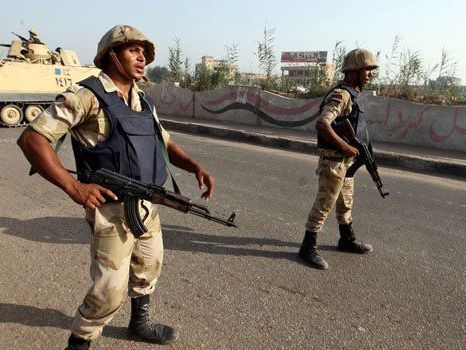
{"x": 11, "y": 115}
{"x": 32, "y": 111}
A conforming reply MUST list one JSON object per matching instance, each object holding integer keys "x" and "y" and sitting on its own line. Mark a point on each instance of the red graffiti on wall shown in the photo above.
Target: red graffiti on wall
{"x": 437, "y": 138}
{"x": 168, "y": 97}
{"x": 404, "y": 127}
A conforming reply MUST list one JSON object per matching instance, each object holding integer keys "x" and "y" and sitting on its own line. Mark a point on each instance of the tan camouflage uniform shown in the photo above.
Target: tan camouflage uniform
{"x": 120, "y": 264}
{"x": 333, "y": 186}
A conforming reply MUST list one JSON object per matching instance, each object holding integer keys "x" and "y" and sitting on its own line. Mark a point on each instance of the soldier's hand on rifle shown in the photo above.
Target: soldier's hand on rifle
{"x": 90, "y": 195}
{"x": 204, "y": 179}
{"x": 349, "y": 151}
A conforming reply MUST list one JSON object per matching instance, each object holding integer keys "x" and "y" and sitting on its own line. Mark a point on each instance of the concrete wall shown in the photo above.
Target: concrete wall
{"x": 399, "y": 121}
{"x": 253, "y": 106}
{"x": 171, "y": 100}
{"x": 389, "y": 120}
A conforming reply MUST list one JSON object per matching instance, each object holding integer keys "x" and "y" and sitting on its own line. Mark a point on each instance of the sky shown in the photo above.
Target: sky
{"x": 206, "y": 27}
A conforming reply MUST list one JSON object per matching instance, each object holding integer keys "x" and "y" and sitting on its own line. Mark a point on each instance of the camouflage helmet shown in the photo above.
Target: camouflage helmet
{"x": 122, "y": 34}
{"x": 359, "y": 59}
{"x": 33, "y": 32}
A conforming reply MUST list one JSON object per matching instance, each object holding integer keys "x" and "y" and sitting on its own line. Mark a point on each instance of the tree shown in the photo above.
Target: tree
{"x": 175, "y": 62}
{"x": 158, "y": 74}
{"x": 202, "y": 79}
{"x": 265, "y": 53}
{"x": 232, "y": 54}
{"x": 232, "y": 59}
{"x": 339, "y": 53}
{"x": 187, "y": 79}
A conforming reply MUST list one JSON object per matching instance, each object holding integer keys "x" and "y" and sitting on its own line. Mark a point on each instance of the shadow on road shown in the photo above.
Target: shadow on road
{"x": 328, "y": 248}
{"x": 176, "y": 238}
{"x": 36, "y": 317}
{"x": 72, "y": 230}
{"x": 33, "y": 316}
{"x": 66, "y": 230}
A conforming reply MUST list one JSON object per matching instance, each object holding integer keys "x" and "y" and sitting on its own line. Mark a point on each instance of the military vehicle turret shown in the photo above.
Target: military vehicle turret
{"x": 31, "y": 76}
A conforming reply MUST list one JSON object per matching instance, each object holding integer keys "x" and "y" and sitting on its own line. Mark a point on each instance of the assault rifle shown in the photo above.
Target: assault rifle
{"x": 23, "y": 39}
{"x": 365, "y": 156}
{"x": 131, "y": 191}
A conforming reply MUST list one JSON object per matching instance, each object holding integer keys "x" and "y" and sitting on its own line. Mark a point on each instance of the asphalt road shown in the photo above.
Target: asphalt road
{"x": 244, "y": 288}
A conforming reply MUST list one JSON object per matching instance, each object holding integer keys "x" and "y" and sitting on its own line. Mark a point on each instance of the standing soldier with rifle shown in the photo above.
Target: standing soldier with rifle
{"x": 113, "y": 126}
{"x": 336, "y": 156}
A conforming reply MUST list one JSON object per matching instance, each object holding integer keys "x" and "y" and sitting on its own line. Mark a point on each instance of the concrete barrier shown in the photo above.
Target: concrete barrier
{"x": 171, "y": 100}
{"x": 389, "y": 120}
{"x": 399, "y": 121}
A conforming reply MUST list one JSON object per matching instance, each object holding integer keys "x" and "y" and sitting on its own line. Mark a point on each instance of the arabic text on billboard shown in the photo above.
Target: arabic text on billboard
{"x": 304, "y": 56}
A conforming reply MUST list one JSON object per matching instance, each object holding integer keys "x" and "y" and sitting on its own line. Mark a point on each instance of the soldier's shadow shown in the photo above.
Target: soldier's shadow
{"x": 33, "y": 316}
{"x": 75, "y": 230}
{"x": 50, "y": 229}
{"x": 185, "y": 239}
{"x": 328, "y": 248}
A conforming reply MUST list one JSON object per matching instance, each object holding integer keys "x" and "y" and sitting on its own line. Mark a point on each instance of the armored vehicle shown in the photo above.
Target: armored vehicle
{"x": 31, "y": 76}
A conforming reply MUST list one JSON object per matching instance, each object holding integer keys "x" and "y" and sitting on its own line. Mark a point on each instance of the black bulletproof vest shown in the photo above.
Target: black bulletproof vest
{"x": 133, "y": 147}
{"x": 356, "y": 117}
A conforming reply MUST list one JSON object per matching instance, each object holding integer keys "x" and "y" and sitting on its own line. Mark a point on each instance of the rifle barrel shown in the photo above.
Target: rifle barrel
{"x": 206, "y": 215}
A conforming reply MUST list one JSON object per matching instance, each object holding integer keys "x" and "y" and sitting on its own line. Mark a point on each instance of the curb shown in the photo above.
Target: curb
{"x": 390, "y": 159}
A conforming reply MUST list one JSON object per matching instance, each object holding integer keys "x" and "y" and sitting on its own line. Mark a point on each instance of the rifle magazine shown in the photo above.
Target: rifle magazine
{"x": 132, "y": 217}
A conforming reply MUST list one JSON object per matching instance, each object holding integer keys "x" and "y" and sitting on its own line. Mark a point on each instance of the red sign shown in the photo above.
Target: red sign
{"x": 304, "y": 56}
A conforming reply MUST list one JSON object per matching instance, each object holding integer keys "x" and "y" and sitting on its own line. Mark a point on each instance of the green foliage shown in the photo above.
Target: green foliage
{"x": 175, "y": 62}
{"x": 338, "y": 56}
{"x": 402, "y": 74}
{"x": 407, "y": 77}
{"x": 286, "y": 84}
{"x": 219, "y": 77}
{"x": 265, "y": 52}
{"x": 209, "y": 79}
{"x": 158, "y": 74}
{"x": 232, "y": 54}
{"x": 187, "y": 80}
{"x": 319, "y": 82}
{"x": 232, "y": 59}
{"x": 202, "y": 78}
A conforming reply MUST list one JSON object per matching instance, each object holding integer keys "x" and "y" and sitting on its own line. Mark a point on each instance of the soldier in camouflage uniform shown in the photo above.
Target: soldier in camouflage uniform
{"x": 121, "y": 265}
{"x": 335, "y": 158}
{"x": 34, "y": 37}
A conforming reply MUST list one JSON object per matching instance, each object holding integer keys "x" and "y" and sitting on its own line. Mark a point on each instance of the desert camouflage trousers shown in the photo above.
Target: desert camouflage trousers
{"x": 121, "y": 266}
{"x": 334, "y": 188}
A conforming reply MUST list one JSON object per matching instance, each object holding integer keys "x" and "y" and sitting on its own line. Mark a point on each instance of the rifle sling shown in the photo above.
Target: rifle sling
{"x": 166, "y": 158}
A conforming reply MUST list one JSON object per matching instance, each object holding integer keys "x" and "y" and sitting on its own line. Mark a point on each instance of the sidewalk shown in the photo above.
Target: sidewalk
{"x": 414, "y": 158}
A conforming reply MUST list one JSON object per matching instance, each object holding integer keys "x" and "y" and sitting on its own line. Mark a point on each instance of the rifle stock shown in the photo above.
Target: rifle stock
{"x": 365, "y": 157}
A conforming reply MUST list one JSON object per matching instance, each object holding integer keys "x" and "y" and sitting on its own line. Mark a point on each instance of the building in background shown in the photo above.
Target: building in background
{"x": 445, "y": 81}
{"x": 252, "y": 78}
{"x": 215, "y": 64}
{"x": 303, "y": 68}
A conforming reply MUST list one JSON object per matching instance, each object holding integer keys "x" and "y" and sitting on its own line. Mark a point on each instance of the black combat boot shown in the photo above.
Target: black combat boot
{"x": 141, "y": 328}
{"x": 348, "y": 242}
{"x": 309, "y": 253}
{"x": 75, "y": 343}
